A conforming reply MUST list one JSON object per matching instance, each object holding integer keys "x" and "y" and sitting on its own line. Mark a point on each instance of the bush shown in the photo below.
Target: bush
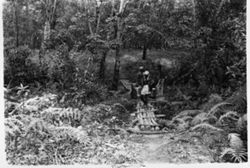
{"x": 88, "y": 93}
{"x": 19, "y": 68}
{"x": 51, "y": 137}
{"x": 60, "y": 67}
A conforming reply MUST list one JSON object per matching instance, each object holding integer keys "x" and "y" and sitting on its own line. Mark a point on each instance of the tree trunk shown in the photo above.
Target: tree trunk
{"x": 46, "y": 35}
{"x": 117, "y": 55}
{"x": 116, "y": 68}
{"x": 118, "y": 30}
{"x": 102, "y": 66}
{"x": 98, "y": 17}
{"x": 144, "y": 54}
{"x": 52, "y": 19}
{"x": 16, "y": 22}
{"x": 29, "y": 25}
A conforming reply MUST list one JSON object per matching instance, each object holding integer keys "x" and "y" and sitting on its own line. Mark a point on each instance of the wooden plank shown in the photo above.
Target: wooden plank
{"x": 160, "y": 115}
{"x": 147, "y": 132}
{"x": 126, "y": 84}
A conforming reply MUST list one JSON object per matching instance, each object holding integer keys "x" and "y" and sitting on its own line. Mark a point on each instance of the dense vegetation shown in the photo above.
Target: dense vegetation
{"x": 63, "y": 61}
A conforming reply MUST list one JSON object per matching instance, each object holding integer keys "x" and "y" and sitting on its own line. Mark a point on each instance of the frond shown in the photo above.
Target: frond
{"x": 213, "y": 99}
{"x": 120, "y": 105}
{"x": 230, "y": 114}
{"x": 205, "y": 126}
{"x": 62, "y": 114}
{"x": 239, "y": 155}
{"x": 42, "y": 101}
{"x": 182, "y": 119}
{"x": 179, "y": 120}
{"x": 242, "y": 122}
{"x": 187, "y": 118}
{"x": 73, "y": 113}
{"x": 199, "y": 118}
{"x": 65, "y": 132}
{"x": 37, "y": 124}
{"x": 187, "y": 113}
{"x": 235, "y": 141}
{"x": 183, "y": 126}
{"x": 215, "y": 108}
{"x": 236, "y": 155}
{"x": 239, "y": 100}
{"x": 13, "y": 126}
{"x": 226, "y": 151}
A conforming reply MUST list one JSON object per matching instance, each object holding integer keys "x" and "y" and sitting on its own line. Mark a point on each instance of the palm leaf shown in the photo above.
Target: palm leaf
{"x": 187, "y": 113}
{"x": 239, "y": 155}
{"x": 13, "y": 125}
{"x": 235, "y": 141}
{"x": 206, "y": 126}
{"x": 242, "y": 122}
{"x": 236, "y": 155}
{"x": 215, "y": 108}
{"x": 229, "y": 114}
{"x": 38, "y": 126}
{"x": 187, "y": 118}
{"x": 65, "y": 132}
{"x": 199, "y": 118}
{"x": 182, "y": 119}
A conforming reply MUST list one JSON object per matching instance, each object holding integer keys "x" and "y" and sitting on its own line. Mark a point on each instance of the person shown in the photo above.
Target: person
{"x": 153, "y": 93}
{"x": 145, "y": 92}
{"x": 134, "y": 92}
{"x": 138, "y": 85}
{"x": 139, "y": 80}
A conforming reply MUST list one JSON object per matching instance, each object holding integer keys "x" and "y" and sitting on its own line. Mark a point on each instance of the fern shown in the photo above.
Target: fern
{"x": 65, "y": 132}
{"x": 59, "y": 115}
{"x": 242, "y": 122}
{"x": 120, "y": 105}
{"x": 229, "y": 114}
{"x": 203, "y": 117}
{"x": 182, "y": 126}
{"x": 71, "y": 113}
{"x": 42, "y": 101}
{"x": 237, "y": 150}
{"x": 182, "y": 120}
{"x": 239, "y": 100}
{"x": 13, "y": 126}
{"x": 215, "y": 108}
{"x": 187, "y": 118}
{"x": 187, "y": 113}
{"x": 200, "y": 118}
{"x": 239, "y": 155}
{"x": 205, "y": 126}
{"x": 179, "y": 120}
{"x": 38, "y": 126}
{"x": 235, "y": 141}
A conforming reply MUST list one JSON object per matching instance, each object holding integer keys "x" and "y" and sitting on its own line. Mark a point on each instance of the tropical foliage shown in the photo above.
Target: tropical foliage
{"x": 64, "y": 62}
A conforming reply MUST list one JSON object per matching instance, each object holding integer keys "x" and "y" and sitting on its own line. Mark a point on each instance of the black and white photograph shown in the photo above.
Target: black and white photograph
{"x": 124, "y": 83}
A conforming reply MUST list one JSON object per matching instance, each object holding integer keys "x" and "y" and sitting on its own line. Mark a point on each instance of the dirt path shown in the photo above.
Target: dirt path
{"x": 171, "y": 148}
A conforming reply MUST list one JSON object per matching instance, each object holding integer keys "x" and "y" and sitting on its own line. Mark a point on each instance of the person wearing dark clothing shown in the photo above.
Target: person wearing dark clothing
{"x": 139, "y": 80}
{"x": 139, "y": 84}
{"x": 145, "y": 89}
{"x": 133, "y": 93}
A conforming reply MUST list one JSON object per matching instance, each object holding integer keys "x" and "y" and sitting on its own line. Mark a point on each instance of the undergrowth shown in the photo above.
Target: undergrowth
{"x": 40, "y": 132}
{"x": 220, "y": 125}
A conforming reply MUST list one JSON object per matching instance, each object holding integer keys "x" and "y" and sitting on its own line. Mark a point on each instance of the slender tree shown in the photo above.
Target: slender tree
{"x": 118, "y": 31}
{"x": 16, "y": 21}
{"x": 50, "y": 20}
